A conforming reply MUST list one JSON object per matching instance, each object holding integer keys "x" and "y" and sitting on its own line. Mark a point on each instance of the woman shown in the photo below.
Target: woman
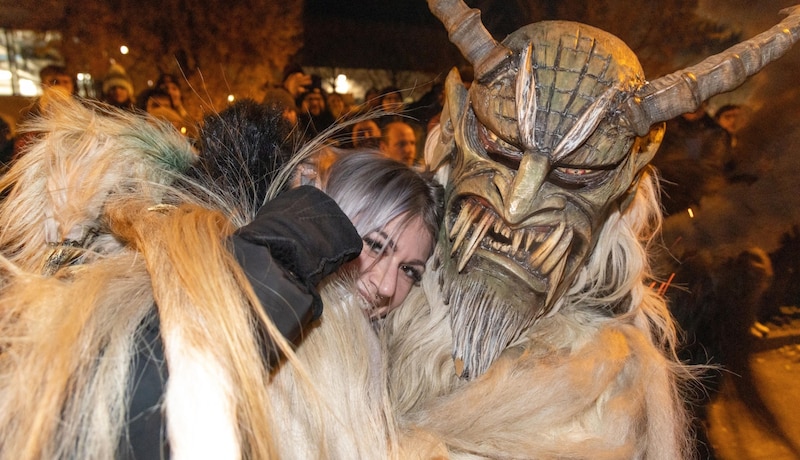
{"x": 397, "y": 211}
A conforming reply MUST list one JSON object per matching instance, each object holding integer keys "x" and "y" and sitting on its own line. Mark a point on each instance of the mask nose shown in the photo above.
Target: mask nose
{"x": 520, "y": 197}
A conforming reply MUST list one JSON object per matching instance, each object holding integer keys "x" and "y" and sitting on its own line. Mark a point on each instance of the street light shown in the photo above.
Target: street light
{"x": 341, "y": 84}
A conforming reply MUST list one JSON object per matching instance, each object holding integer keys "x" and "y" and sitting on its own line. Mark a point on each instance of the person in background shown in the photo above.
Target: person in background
{"x": 314, "y": 115}
{"x": 6, "y": 142}
{"x": 372, "y": 100}
{"x": 295, "y": 82}
{"x": 337, "y": 106}
{"x": 171, "y": 85}
{"x": 118, "y": 88}
{"x": 391, "y": 105}
{"x": 52, "y": 78}
{"x": 399, "y": 142}
{"x": 745, "y": 164}
{"x": 366, "y": 135}
{"x": 158, "y": 103}
{"x": 57, "y": 76}
{"x": 732, "y": 118}
{"x": 692, "y": 160}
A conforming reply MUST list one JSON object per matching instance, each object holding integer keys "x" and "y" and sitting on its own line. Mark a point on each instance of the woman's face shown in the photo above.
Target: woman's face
{"x": 391, "y": 264}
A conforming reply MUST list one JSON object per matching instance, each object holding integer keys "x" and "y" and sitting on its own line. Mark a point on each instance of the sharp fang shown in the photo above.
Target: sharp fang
{"x": 529, "y": 237}
{"x": 516, "y": 241}
{"x": 557, "y": 254}
{"x": 460, "y": 220}
{"x": 474, "y": 241}
{"x": 555, "y": 281}
{"x": 498, "y": 227}
{"x": 544, "y": 249}
{"x": 465, "y": 221}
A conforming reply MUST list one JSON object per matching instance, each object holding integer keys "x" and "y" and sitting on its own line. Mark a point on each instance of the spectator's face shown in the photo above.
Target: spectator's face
{"x": 63, "y": 82}
{"x": 118, "y": 94}
{"x": 400, "y": 143}
{"x": 392, "y": 102}
{"x": 174, "y": 92}
{"x": 366, "y": 134}
{"x": 314, "y": 104}
{"x": 336, "y": 105}
{"x": 731, "y": 120}
{"x": 155, "y": 102}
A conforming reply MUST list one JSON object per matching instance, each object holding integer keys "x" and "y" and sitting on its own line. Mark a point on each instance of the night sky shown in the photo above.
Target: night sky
{"x": 400, "y": 11}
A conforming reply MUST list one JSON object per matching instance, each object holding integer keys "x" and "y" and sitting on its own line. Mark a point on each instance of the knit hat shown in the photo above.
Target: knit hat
{"x": 117, "y": 76}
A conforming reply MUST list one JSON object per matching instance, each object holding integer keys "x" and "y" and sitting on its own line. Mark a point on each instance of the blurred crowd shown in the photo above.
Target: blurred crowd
{"x": 383, "y": 121}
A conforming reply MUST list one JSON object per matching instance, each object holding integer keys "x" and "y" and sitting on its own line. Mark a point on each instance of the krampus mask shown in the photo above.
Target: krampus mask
{"x": 549, "y": 141}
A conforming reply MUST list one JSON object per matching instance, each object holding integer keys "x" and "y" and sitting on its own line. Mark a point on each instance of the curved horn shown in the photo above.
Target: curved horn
{"x": 466, "y": 31}
{"x": 683, "y": 91}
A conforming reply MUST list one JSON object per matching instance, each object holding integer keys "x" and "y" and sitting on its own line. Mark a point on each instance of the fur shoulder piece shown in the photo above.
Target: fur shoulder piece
{"x": 77, "y": 157}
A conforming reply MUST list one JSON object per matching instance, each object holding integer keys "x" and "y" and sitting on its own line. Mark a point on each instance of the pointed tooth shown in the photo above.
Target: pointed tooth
{"x": 475, "y": 212}
{"x": 529, "y": 237}
{"x": 498, "y": 227}
{"x": 554, "y": 282}
{"x": 558, "y": 253}
{"x": 468, "y": 222}
{"x": 541, "y": 253}
{"x": 474, "y": 241}
{"x": 540, "y": 237}
{"x": 516, "y": 241}
{"x": 460, "y": 220}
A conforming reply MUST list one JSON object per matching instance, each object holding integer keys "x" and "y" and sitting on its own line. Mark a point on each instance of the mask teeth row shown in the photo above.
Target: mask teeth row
{"x": 540, "y": 251}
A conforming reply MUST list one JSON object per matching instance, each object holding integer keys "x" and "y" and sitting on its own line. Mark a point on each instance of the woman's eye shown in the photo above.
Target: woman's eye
{"x": 374, "y": 246}
{"x": 414, "y": 274}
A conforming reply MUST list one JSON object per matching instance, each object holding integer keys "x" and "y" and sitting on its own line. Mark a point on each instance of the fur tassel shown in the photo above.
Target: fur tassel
{"x": 199, "y": 404}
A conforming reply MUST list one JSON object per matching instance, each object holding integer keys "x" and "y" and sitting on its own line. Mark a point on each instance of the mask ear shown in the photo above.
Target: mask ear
{"x": 644, "y": 149}
{"x": 456, "y": 95}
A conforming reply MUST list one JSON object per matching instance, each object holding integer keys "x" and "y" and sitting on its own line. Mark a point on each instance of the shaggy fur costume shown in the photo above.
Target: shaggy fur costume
{"x": 580, "y": 384}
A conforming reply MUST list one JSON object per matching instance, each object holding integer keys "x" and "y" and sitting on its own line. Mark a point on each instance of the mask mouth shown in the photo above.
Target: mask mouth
{"x": 537, "y": 249}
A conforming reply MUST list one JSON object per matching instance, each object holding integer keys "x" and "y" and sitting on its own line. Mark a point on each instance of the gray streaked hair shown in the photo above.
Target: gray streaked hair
{"x": 373, "y": 190}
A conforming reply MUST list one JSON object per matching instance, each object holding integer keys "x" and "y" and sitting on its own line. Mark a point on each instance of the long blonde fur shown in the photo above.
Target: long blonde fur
{"x": 54, "y": 402}
{"x": 67, "y": 341}
{"x": 343, "y": 355}
{"x": 582, "y": 383}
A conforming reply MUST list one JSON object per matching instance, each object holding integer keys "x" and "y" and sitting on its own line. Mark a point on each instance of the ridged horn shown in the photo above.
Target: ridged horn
{"x": 466, "y": 31}
{"x": 683, "y": 91}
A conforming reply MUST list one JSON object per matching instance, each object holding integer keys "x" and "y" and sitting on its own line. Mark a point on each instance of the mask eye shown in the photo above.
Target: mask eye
{"x": 578, "y": 176}
{"x": 498, "y": 149}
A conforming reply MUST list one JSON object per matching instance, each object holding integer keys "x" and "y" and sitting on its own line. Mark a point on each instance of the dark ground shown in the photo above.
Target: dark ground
{"x": 757, "y": 416}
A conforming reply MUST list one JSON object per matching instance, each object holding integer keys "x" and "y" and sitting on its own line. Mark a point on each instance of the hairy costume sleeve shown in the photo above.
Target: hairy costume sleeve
{"x": 295, "y": 240}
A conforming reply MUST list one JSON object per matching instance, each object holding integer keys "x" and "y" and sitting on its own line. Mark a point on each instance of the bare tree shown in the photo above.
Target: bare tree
{"x": 222, "y": 48}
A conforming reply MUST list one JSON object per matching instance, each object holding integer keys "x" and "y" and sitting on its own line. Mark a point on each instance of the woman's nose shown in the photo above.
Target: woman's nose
{"x": 387, "y": 280}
